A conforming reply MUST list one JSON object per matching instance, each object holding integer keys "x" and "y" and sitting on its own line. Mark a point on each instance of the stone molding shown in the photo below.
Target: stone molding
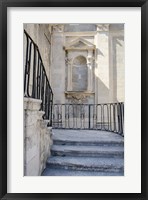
{"x": 90, "y": 66}
{"x": 89, "y": 33}
{"x": 32, "y": 104}
{"x": 85, "y": 45}
{"x": 87, "y": 50}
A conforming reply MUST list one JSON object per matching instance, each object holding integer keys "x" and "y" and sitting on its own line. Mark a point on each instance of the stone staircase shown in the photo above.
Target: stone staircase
{"x": 85, "y": 153}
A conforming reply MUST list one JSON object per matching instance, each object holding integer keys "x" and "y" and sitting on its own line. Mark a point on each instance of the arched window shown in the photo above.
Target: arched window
{"x": 79, "y": 74}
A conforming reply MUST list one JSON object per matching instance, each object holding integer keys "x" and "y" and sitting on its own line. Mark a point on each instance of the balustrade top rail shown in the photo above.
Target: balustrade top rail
{"x": 36, "y": 83}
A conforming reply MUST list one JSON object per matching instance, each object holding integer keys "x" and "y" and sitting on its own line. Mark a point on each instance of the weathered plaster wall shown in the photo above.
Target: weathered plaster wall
{"x": 37, "y": 140}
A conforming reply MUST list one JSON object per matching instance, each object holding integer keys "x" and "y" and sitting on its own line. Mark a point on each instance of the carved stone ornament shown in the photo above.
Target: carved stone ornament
{"x": 68, "y": 61}
{"x": 102, "y": 27}
{"x": 77, "y": 98}
{"x": 90, "y": 59}
{"x": 58, "y": 28}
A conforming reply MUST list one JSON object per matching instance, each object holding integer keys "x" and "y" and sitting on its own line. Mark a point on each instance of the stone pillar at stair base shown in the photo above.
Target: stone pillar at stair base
{"x": 37, "y": 140}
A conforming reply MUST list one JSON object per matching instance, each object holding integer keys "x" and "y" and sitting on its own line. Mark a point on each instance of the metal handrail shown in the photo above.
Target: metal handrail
{"x": 107, "y": 116}
{"x": 36, "y": 83}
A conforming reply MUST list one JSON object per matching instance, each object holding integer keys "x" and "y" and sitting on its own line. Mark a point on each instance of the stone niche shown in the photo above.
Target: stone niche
{"x": 79, "y": 60}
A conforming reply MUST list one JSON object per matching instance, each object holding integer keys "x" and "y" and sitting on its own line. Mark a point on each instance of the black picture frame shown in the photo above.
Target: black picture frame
{"x": 4, "y": 4}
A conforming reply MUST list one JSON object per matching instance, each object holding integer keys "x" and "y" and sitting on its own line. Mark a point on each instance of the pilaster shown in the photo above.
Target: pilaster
{"x": 58, "y": 64}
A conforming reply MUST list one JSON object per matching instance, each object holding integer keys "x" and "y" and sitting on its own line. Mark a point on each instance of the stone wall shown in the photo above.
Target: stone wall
{"x": 105, "y": 62}
{"x": 106, "y": 80}
{"x": 37, "y": 138}
{"x": 102, "y": 64}
{"x": 40, "y": 33}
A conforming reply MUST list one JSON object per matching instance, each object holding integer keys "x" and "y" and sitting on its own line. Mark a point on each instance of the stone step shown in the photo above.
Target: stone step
{"x": 69, "y": 172}
{"x": 92, "y": 151}
{"x": 86, "y": 163}
{"x": 86, "y": 137}
{"x": 87, "y": 143}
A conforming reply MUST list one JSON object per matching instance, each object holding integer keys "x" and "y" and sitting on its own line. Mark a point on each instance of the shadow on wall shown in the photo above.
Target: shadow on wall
{"x": 117, "y": 41}
{"x": 103, "y": 91}
{"x": 98, "y": 52}
{"x": 110, "y": 94}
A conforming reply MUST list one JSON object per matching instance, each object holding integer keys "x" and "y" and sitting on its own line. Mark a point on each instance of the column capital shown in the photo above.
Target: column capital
{"x": 58, "y": 28}
{"x": 102, "y": 27}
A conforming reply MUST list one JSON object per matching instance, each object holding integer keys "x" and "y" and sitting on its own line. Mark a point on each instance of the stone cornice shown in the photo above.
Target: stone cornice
{"x": 89, "y": 33}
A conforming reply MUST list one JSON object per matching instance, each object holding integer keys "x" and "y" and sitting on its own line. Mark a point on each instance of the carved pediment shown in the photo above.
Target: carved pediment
{"x": 80, "y": 44}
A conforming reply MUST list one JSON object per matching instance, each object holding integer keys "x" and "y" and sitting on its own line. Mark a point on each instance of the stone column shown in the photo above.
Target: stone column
{"x": 58, "y": 64}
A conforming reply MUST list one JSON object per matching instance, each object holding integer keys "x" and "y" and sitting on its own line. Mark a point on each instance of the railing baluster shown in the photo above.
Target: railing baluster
{"x": 108, "y": 117}
{"x": 26, "y": 66}
{"x": 28, "y": 69}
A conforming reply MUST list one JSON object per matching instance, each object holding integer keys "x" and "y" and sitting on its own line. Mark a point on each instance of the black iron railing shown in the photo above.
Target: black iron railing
{"x": 36, "y": 83}
{"x": 109, "y": 117}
